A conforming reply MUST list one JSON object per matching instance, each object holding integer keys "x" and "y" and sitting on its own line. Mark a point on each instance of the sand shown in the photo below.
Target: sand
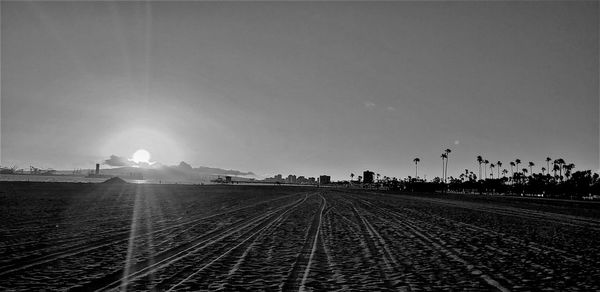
{"x": 61, "y": 236}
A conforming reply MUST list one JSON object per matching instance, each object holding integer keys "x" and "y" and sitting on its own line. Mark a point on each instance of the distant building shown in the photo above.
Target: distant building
{"x": 312, "y": 180}
{"x": 368, "y": 177}
{"x": 324, "y": 179}
{"x": 291, "y": 179}
{"x": 97, "y": 168}
{"x": 228, "y": 179}
{"x": 276, "y": 179}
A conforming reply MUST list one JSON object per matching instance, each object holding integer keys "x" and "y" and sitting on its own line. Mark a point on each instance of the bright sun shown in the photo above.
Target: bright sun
{"x": 141, "y": 155}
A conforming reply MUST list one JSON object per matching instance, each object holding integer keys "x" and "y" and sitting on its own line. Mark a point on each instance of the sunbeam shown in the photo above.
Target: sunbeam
{"x": 149, "y": 205}
{"x": 132, "y": 235}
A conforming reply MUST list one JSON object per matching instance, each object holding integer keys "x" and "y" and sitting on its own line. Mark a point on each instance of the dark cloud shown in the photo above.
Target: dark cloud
{"x": 220, "y": 171}
{"x": 183, "y": 166}
{"x": 115, "y": 160}
{"x": 183, "y": 169}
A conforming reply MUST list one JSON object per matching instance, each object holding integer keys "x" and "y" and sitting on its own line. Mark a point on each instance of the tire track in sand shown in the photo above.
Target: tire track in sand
{"x": 177, "y": 253}
{"x": 306, "y": 255}
{"x": 380, "y": 250}
{"x": 112, "y": 240}
{"x": 254, "y": 236}
{"x": 492, "y": 283}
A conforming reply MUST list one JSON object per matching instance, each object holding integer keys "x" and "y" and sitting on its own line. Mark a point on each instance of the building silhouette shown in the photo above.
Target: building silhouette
{"x": 368, "y": 177}
{"x": 291, "y": 179}
{"x": 324, "y": 179}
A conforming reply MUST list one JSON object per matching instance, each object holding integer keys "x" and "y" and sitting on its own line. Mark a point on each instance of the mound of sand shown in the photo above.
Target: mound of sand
{"x": 114, "y": 180}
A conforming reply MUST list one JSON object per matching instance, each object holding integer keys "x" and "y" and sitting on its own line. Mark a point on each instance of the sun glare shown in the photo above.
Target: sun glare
{"x": 141, "y": 155}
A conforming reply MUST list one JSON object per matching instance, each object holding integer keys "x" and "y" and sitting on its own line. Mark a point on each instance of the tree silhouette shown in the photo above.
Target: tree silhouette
{"x": 531, "y": 164}
{"x": 543, "y": 170}
{"x": 517, "y": 162}
{"x": 485, "y": 168}
{"x": 504, "y": 172}
{"x": 351, "y": 177}
{"x": 492, "y": 170}
{"x": 560, "y": 163}
{"x": 447, "y": 151}
{"x": 512, "y": 172}
{"x": 479, "y": 160}
{"x": 444, "y": 156}
{"x": 499, "y": 164}
{"x": 416, "y": 160}
{"x": 568, "y": 168}
{"x": 555, "y": 167}
{"x": 548, "y": 159}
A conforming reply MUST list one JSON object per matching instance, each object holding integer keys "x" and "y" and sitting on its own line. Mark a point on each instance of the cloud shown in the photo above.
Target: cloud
{"x": 369, "y": 104}
{"x": 184, "y": 165}
{"x": 205, "y": 170}
{"x": 115, "y": 160}
{"x": 182, "y": 169}
{"x": 391, "y": 108}
{"x": 220, "y": 171}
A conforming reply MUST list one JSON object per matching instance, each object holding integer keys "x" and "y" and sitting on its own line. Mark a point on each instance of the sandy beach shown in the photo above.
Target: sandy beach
{"x": 66, "y": 236}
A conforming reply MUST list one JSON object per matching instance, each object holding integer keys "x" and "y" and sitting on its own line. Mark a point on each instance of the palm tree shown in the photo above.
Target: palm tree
{"x": 504, "y": 172}
{"x": 548, "y": 159}
{"x": 351, "y": 177}
{"x": 447, "y": 151}
{"x": 378, "y": 175}
{"x": 524, "y": 174}
{"x": 517, "y": 161}
{"x": 499, "y": 164}
{"x": 560, "y": 163}
{"x": 444, "y": 156}
{"x": 568, "y": 168}
{"x": 512, "y": 172}
{"x": 543, "y": 170}
{"x": 555, "y": 167}
{"x": 416, "y": 160}
{"x": 479, "y": 160}
{"x": 492, "y": 170}
{"x": 485, "y": 168}
{"x": 531, "y": 164}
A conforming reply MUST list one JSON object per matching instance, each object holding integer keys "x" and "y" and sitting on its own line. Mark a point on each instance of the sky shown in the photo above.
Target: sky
{"x": 305, "y": 88}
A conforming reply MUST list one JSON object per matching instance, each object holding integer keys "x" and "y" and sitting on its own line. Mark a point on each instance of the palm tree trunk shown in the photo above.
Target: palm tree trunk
{"x": 560, "y": 171}
{"x": 446, "y": 171}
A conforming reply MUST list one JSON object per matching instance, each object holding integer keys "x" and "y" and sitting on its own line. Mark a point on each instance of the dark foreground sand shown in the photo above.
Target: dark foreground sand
{"x": 62, "y": 236}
